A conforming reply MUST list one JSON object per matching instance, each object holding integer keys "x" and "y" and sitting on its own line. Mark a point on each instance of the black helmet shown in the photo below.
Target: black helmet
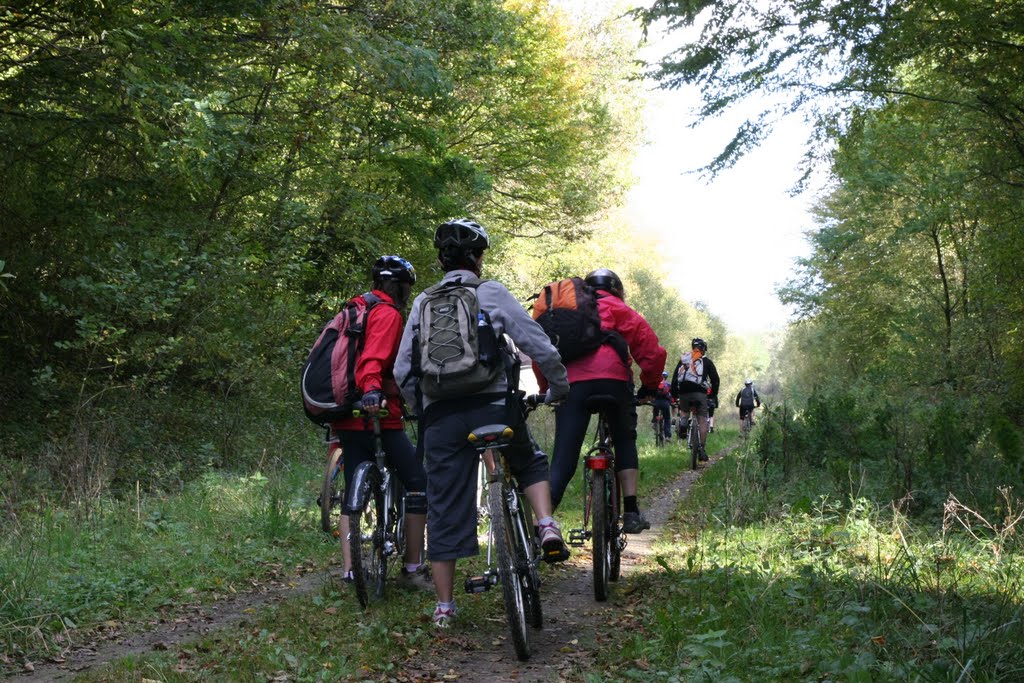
{"x": 462, "y": 233}
{"x": 602, "y": 278}
{"x": 393, "y": 268}
{"x": 699, "y": 343}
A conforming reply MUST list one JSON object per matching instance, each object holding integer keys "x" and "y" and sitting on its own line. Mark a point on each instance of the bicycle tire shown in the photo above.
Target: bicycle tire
{"x": 511, "y": 583}
{"x": 601, "y": 554}
{"x": 529, "y": 550}
{"x": 693, "y": 441}
{"x": 365, "y": 541}
{"x": 615, "y": 530}
{"x": 331, "y": 494}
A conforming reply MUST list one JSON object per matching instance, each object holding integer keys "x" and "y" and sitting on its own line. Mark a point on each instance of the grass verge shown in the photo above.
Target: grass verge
{"x": 788, "y": 585}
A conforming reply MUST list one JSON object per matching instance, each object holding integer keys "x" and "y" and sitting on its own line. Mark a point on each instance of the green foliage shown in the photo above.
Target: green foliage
{"x": 190, "y": 189}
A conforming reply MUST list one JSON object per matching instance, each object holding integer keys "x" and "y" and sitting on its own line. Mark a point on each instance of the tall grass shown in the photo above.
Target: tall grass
{"x": 797, "y": 583}
{"x": 114, "y": 560}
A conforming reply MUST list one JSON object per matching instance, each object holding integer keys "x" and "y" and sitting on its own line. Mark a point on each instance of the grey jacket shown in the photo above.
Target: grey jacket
{"x": 507, "y": 317}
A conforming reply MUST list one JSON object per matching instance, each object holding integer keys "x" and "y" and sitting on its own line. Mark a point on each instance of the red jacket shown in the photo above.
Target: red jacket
{"x": 376, "y": 365}
{"x": 606, "y": 363}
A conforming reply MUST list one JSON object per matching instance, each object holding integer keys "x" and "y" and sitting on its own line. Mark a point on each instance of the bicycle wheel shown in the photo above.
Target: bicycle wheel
{"x": 365, "y": 541}
{"x": 331, "y": 494}
{"x": 694, "y": 443}
{"x": 511, "y": 584}
{"x": 600, "y": 533}
{"x": 614, "y": 529}
{"x": 393, "y": 547}
{"x": 659, "y": 434}
{"x": 528, "y": 550}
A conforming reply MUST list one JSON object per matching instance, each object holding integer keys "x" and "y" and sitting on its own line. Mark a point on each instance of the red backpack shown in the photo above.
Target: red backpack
{"x": 329, "y": 390}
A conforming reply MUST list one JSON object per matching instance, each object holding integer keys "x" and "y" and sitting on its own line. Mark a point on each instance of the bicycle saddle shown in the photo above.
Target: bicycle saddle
{"x": 491, "y": 436}
{"x": 600, "y": 402}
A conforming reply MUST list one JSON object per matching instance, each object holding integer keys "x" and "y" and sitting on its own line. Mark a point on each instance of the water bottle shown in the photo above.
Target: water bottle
{"x": 487, "y": 341}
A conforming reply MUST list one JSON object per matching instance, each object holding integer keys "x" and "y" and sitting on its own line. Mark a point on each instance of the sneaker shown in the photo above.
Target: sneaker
{"x": 634, "y": 523}
{"x": 703, "y": 456}
{"x": 553, "y": 548}
{"x": 711, "y": 430}
{"x": 347, "y": 577}
{"x": 419, "y": 579}
{"x": 443, "y": 617}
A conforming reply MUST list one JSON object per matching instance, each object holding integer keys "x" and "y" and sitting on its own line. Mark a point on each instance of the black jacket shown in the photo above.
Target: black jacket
{"x": 710, "y": 372}
{"x": 749, "y": 400}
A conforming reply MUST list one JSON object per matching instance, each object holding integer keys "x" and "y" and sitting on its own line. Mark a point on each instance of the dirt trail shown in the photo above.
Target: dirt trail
{"x": 467, "y": 654}
{"x": 483, "y": 653}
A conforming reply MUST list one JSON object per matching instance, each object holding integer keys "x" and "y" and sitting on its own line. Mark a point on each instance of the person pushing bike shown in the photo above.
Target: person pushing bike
{"x": 446, "y": 419}
{"x": 393, "y": 278}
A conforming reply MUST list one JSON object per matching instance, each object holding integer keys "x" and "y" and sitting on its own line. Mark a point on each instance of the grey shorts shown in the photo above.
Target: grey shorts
{"x": 696, "y": 399}
{"x": 451, "y": 464}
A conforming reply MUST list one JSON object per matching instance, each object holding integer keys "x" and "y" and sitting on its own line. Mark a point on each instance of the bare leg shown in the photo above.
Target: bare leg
{"x": 414, "y": 533}
{"x": 444, "y": 579}
{"x": 346, "y": 549}
{"x": 539, "y": 495}
{"x": 627, "y": 481}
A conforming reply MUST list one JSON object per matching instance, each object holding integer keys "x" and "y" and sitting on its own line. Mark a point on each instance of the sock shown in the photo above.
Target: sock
{"x": 410, "y": 568}
{"x": 448, "y": 606}
{"x": 546, "y": 521}
{"x": 629, "y": 502}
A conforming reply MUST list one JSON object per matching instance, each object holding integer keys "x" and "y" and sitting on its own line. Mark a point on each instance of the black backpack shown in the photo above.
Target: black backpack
{"x": 567, "y": 310}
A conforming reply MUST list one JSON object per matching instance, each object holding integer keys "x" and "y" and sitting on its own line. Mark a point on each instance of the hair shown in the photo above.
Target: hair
{"x": 394, "y": 289}
{"x": 457, "y": 258}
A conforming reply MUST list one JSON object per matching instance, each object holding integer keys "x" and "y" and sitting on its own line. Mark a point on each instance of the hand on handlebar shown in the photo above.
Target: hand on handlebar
{"x": 373, "y": 401}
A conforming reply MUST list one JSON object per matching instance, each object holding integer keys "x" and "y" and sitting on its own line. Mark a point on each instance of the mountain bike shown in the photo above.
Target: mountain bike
{"x": 602, "y": 501}
{"x": 688, "y": 424}
{"x": 659, "y": 429}
{"x": 747, "y": 423}
{"x": 332, "y": 491}
{"x": 513, "y": 551}
{"x": 376, "y": 535}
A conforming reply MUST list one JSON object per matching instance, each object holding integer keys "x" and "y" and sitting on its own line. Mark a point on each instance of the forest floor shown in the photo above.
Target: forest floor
{"x": 575, "y": 625}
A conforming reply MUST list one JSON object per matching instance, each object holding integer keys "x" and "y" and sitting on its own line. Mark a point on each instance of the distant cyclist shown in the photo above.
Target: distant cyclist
{"x": 694, "y": 382}
{"x": 662, "y": 404}
{"x": 608, "y": 372}
{"x": 747, "y": 399}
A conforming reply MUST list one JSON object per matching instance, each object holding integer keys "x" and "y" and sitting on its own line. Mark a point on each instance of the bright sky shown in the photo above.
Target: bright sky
{"x": 729, "y": 242}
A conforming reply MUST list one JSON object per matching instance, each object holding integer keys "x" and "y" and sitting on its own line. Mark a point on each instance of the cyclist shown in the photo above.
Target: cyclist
{"x": 446, "y": 422}
{"x": 695, "y": 381}
{"x": 662, "y": 404}
{"x": 747, "y": 399}
{"x": 393, "y": 278}
{"x": 608, "y": 371}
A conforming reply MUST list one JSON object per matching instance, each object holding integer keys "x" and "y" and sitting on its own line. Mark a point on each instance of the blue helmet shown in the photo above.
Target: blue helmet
{"x": 393, "y": 268}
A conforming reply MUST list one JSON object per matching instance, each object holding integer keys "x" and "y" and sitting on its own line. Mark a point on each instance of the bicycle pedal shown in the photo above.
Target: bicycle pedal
{"x": 577, "y": 537}
{"x": 477, "y": 584}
